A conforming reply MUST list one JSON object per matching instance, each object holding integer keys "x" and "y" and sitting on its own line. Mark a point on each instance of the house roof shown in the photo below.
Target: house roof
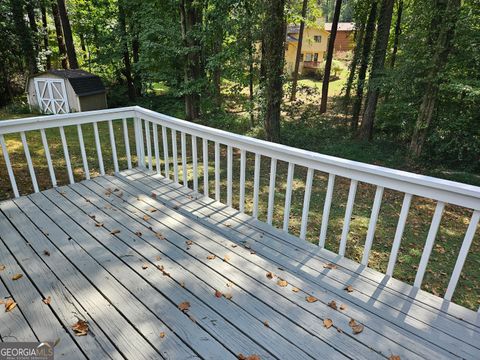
{"x": 342, "y": 26}
{"x": 83, "y": 82}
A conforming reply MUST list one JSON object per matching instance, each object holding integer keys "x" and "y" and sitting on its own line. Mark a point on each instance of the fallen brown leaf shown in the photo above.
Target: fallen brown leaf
{"x": 282, "y": 283}
{"x": 189, "y": 242}
{"x": 343, "y": 307}
{"x": 80, "y": 328}
{"x": 184, "y": 306}
{"x": 162, "y": 335}
{"x": 234, "y": 245}
{"x": 153, "y": 195}
{"x": 333, "y": 304}
{"x": 357, "y": 329}
{"x": 329, "y": 266}
{"x": 2, "y": 267}
{"x": 158, "y": 258}
{"x": 352, "y": 322}
{"x": 152, "y": 209}
{"x": 227, "y": 258}
{"x": 394, "y": 357}
{"x": 248, "y": 357}
{"x": 311, "y": 299}
{"x": 146, "y": 217}
{"x": 17, "y": 276}
{"x": 47, "y": 300}
{"x": 270, "y": 275}
{"x": 10, "y": 305}
{"x": 115, "y": 231}
{"x": 327, "y": 323}
{"x": 210, "y": 257}
{"x": 218, "y": 294}
{"x": 228, "y": 296}
{"x": 144, "y": 266}
{"x": 295, "y": 289}
{"x": 160, "y": 236}
{"x": 138, "y": 233}
{"x": 99, "y": 224}
{"x": 46, "y": 252}
{"x": 348, "y": 288}
{"x": 266, "y": 323}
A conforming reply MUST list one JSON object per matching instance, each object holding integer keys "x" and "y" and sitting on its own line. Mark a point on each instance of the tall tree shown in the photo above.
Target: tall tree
{"x": 62, "y": 49}
{"x": 398, "y": 30}
{"x": 24, "y": 34}
{"x": 67, "y": 32}
{"x": 429, "y": 101}
{"x": 299, "y": 50}
{"x": 191, "y": 15}
{"x": 274, "y": 53}
{"x": 378, "y": 65}
{"x": 46, "y": 45}
{"x": 127, "y": 70}
{"x": 362, "y": 71}
{"x": 328, "y": 62}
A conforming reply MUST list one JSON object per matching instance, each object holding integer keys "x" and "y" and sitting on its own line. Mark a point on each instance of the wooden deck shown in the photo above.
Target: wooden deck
{"x": 123, "y": 252}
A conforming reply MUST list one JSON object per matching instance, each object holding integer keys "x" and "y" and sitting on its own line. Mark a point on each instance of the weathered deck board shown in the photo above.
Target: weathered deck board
{"x": 189, "y": 204}
{"x": 370, "y": 338}
{"x": 116, "y": 283}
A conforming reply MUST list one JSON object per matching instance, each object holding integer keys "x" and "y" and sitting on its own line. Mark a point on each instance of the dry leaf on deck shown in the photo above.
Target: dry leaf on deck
{"x": 144, "y": 266}
{"x": 46, "y": 252}
{"x": 327, "y": 323}
{"x": 357, "y": 328}
{"x": 138, "y": 233}
{"x": 352, "y": 322}
{"x": 2, "y": 267}
{"x": 162, "y": 335}
{"x": 152, "y": 209}
{"x": 282, "y": 283}
{"x": 17, "y": 276}
{"x": 146, "y": 217}
{"x": 153, "y": 195}
{"x": 80, "y": 328}
{"x": 348, "y": 288}
{"x": 311, "y": 299}
{"x": 10, "y": 305}
{"x": 329, "y": 266}
{"x": 343, "y": 307}
{"x": 228, "y": 296}
{"x": 210, "y": 257}
{"x": 248, "y": 357}
{"x": 218, "y": 294}
{"x": 394, "y": 357}
{"x": 47, "y": 300}
{"x": 266, "y": 323}
{"x": 270, "y": 275}
{"x": 295, "y": 289}
{"x": 189, "y": 242}
{"x": 115, "y": 231}
{"x": 227, "y": 258}
{"x": 160, "y": 236}
{"x": 184, "y": 306}
{"x": 333, "y": 304}
{"x": 158, "y": 258}
{"x": 234, "y": 245}
{"x": 99, "y": 224}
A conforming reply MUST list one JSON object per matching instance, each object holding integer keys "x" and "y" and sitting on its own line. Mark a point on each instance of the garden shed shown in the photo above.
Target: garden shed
{"x": 64, "y": 91}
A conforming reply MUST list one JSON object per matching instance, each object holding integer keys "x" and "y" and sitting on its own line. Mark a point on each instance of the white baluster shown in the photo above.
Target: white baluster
{"x": 229, "y": 175}
{"x": 195, "y": 163}
{"x": 306, "y": 204}
{"x": 288, "y": 196}
{"x": 256, "y": 185}
{"x": 175, "y": 156}
{"x": 9, "y": 166}
{"x": 99, "y": 148}
{"x": 184, "y": 159}
{"x": 326, "y": 210}
{"x": 243, "y": 160}
{"x": 49, "y": 157}
{"x": 217, "y": 171}
{"x": 127, "y": 143}
{"x": 155, "y": 147}
{"x": 373, "y": 224}
{"x": 348, "y": 216}
{"x": 205, "y": 166}
{"x": 271, "y": 190}
{"x": 149, "y": 144}
{"x": 67, "y": 155}
{"x": 29, "y": 162}
{"x": 165, "y": 152}
{"x": 114, "y": 146}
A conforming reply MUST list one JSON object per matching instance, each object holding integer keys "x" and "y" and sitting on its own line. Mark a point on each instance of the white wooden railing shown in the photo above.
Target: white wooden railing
{"x": 150, "y": 127}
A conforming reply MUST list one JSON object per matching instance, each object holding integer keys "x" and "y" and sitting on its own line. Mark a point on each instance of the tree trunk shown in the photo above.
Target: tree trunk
{"x": 191, "y": 16}
{"x": 24, "y": 35}
{"x": 398, "y": 31}
{"x": 127, "y": 71}
{"x": 328, "y": 62}
{"x": 31, "y": 17}
{"x": 353, "y": 64}
{"x": 274, "y": 41}
{"x": 251, "y": 70}
{"x": 62, "y": 49}
{"x": 439, "y": 61}
{"x": 362, "y": 71}
{"x": 299, "y": 51}
{"x": 67, "y": 32}
{"x": 46, "y": 45}
{"x": 136, "y": 58}
{"x": 378, "y": 65}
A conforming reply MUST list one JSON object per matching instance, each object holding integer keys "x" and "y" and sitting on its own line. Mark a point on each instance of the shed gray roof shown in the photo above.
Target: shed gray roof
{"x": 83, "y": 82}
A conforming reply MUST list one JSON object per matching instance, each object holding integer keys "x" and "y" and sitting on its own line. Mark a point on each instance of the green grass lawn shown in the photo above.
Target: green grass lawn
{"x": 324, "y": 135}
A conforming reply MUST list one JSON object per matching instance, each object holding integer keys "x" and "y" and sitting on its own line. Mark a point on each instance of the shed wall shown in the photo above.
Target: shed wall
{"x": 93, "y": 102}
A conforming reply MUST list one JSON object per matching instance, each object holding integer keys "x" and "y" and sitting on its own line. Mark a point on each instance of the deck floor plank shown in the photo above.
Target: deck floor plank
{"x": 187, "y": 203}
{"x": 370, "y": 339}
{"x": 254, "y": 326}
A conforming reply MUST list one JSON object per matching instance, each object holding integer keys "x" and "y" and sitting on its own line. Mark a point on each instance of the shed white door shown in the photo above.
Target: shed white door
{"x": 52, "y": 95}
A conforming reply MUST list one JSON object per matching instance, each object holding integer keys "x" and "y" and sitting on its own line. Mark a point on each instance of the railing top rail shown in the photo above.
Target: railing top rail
{"x": 416, "y": 184}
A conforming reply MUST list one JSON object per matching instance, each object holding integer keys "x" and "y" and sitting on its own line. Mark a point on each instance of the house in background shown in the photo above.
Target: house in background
{"x": 315, "y": 40}
{"x": 64, "y": 91}
{"x": 344, "y": 39}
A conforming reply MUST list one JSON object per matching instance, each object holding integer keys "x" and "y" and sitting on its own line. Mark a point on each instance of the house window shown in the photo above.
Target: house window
{"x": 308, "y": 57}
{"x": 317, "y": 38}
{"x": 315, "y": 57}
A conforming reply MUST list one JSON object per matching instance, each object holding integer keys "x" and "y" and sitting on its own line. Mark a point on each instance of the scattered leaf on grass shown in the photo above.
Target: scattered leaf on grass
{"x": 270, "y": 275}
{"x": 10, "y": 305}
{"x": 210, "y": 257}
{"x": 311, "y": 299}
{"x": 17, "y": 276}
{"x": 80, "y": 328}
{"x": 295, "y": 289}
{"x": 146, "y": 217}
{"x": 47, "y": 300}
{"x": 348, "y": 288}
{"x": 115, "y": 231}
{"x": 333, "y": 304}
{"x": 282, "y": 283}
{"x": 327, "y": 323}
{"x": 162, "y": 335}
{"x": 218, "y": 294}
{"x": 184, "y": 306}
{"x": 2, "y": 267}
{"x": 46, "y": 252}
{"x": 329, "y": 266}
{"x": 266, "y": 323}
